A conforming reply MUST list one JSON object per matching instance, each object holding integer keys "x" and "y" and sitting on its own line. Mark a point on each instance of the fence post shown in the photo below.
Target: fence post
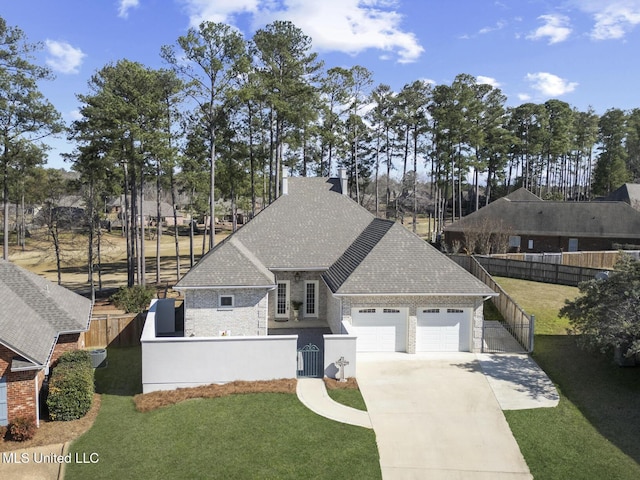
{"x": 532, "y": 326}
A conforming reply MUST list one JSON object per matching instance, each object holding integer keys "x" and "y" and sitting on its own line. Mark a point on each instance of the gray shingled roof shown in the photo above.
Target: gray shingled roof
{"x": 310, "y": 227}
{"x": 349, "y": 261}
{"x": 628, "y": 193}
{"x": 579, "y": 219}
{"x": 522, "y": 195}
{"x": 35, "y": 311}
{"x": 402, "y": 263}
{"x": 230, "y": 263}
{"x": 315, "y": 227}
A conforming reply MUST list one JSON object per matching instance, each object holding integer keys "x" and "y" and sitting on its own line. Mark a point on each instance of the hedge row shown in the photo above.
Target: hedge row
{"x": 71, "y": 386}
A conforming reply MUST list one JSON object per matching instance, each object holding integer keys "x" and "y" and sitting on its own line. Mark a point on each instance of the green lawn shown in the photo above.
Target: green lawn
{"x": 593, "y": 433}
{"x": 349, "y": 397}
{"x": 236, "y": 437}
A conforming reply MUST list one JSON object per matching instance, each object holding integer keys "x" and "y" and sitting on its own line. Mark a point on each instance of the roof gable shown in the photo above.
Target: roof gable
{"x": 310, "y": 227}
{"x": 36, "y": 311}
{"x": 523, "y": 195}
{"x": 230, "y": 263}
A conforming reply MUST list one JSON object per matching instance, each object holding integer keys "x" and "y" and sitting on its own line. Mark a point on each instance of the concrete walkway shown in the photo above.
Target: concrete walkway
{"x": 313, "y": 394}
{"x": 435, "y": 416}
{"x": 517, "y": 381}
{"x": 37, "y": 463}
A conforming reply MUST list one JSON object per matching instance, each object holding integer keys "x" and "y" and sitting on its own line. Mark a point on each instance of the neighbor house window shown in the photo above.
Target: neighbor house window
{"x": 514, "y": 241}
{"x": 226, "y": 301}
{"x": 530, "y": 244}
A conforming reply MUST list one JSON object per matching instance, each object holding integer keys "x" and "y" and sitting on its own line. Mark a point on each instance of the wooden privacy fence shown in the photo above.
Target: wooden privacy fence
{"x": 520, "y": 325}
{"x": 114, "y": 330}
{"x": 537, "y": 271}
{"x": 591, "y": 259}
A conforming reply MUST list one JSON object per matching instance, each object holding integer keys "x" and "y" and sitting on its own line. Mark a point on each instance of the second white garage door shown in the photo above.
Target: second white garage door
{"x": 443, "y": 330}
{"x": 380, "y": 329}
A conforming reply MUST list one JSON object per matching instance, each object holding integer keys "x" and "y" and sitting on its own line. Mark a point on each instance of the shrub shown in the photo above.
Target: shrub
{"x": 3, "y": 431}
{"x": 71, "y": 387}
{"x": 75, "y": 357}
{"x": 22, "y": 429}
{"x": 133, "y": 299}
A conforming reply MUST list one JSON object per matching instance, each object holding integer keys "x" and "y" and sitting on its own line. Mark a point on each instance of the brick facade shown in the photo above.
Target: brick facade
{"x": 204, "y": 317}
{"x": 23, "y": 387}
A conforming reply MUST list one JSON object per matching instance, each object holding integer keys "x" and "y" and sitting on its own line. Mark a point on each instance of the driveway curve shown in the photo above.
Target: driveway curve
{"x": 435, "y": 416}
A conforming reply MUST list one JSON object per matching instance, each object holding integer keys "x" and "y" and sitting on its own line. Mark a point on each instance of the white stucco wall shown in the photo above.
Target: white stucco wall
{"x": 177, "y": 362}
{"x": 336, "y": 346}
{"x": 204, "y": 317}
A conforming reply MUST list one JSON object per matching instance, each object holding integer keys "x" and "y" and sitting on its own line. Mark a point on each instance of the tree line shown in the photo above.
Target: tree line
{"x": 227, "y": 116}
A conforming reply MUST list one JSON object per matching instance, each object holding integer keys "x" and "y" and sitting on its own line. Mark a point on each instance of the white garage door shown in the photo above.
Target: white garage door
{"x": 443, "y": 330}
{"x": 380, "y": 329}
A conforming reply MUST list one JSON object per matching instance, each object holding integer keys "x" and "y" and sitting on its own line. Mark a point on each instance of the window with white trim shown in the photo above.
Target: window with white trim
{"x": 391, "y": 310}
{"x": 367, "y": 310}
{"x": 454, "y": 310}
{"x": 431, "y": 310}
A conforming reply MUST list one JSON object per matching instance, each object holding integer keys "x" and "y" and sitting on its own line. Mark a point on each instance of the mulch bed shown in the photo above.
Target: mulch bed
{"x": 333, "y": 384}
{"x": 146, "y": 402}
{"x": 50, "y": 432}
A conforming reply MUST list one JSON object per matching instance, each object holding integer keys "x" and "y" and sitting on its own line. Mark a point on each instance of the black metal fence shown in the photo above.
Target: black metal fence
{"x": 519, "y": 325}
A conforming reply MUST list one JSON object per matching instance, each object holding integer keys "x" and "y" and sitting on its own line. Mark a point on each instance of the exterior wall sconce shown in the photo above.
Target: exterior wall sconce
{"x": 296, "y": 277}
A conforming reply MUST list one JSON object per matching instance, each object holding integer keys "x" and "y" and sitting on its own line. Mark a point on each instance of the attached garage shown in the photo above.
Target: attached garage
{"x": 443, "y": 329}
{"x": 380, "y": 329}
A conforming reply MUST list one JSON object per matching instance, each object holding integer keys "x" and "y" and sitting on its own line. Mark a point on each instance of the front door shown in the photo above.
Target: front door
{"x": 282, "y": 299}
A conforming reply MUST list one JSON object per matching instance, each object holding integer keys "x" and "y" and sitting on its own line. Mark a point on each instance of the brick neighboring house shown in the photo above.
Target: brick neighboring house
{"x": 39, "y": 321}
{"x": 533, "y": 225}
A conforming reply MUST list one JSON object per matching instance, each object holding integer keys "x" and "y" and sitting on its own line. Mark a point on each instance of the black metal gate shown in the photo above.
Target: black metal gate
{"x": 499, "y": 337}
{"x": 310, "y": 361}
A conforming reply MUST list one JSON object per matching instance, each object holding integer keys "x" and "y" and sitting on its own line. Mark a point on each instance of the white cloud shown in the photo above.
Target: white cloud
{"x": 220, "y": 11}
{"x": 488, "y": 80}
{"x": 350, "y": 26}
{"x": 524, "y": 97}
{"x": 498, "y": 26}
{"x": 125, "y": 6}
{"x": 556, "y": 28}
{"x": 550, "y": 85}
{"x": 615, "y": 20}
{"x": 62, "y": 57}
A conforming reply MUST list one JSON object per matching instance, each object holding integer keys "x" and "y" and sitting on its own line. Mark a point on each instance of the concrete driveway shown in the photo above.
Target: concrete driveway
{"x": 436, "y": 417}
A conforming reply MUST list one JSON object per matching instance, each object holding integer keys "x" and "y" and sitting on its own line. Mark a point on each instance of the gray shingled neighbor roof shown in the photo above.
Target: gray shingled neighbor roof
{"x": 628, "y": 193}
{"x": 35, "y": 311}
{"x": 315, "y": 227}
{"x": 579, "y": 219}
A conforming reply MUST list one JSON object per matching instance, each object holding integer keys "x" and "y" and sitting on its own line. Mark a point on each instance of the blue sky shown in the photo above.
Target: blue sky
{"x": 584, "y": 52}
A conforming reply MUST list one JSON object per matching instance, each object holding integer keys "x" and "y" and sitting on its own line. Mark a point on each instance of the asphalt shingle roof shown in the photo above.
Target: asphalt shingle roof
{"x": 231, "y": 265}
{"x": 580, "y": 219}
{"x": 35, "y": 311}
{"x": 316, "y": 227}
{"x": 401, "y": 263}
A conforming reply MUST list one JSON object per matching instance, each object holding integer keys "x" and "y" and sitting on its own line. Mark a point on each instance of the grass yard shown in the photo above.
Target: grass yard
{"x": 593, "y": 432}
{"x": 247, "y": 436}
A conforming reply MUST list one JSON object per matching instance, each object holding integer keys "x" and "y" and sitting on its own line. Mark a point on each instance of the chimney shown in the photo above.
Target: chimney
{"x": 342, "y": 174}
{"x": 285, "y": 183}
